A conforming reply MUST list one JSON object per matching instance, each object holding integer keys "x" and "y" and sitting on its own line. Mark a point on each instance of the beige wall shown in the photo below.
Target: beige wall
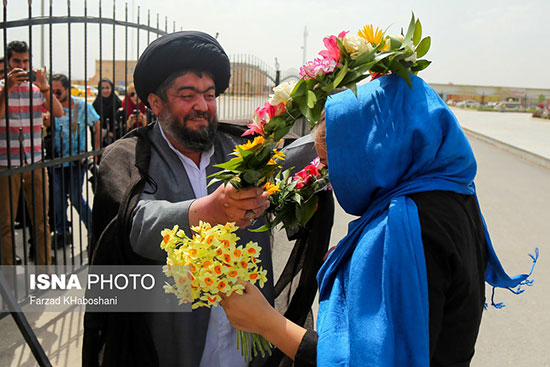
{"x": 107, "y": 71}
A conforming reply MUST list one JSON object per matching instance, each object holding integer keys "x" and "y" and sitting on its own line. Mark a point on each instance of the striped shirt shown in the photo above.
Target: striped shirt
{"x": 19, "y": 115}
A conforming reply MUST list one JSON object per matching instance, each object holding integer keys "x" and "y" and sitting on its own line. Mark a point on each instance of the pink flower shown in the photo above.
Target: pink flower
{"x": 262, "y": 115}
{"x": 317, "y": 67}
{"x": 316, "y": 162}
{"x": 333, "y": 50}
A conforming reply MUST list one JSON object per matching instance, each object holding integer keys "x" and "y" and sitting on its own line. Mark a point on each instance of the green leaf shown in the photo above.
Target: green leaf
{"x": 343, "y": 52}
{"x": 366, "y": 57}
{"x": 304, "y": 109}
{"x": 400, "y": 70}
{"x": 230, "y": 164}
{"x": 353, "y": 87}
{"x": 305, "y": 211}
{"x": 265, "y": 227}
{"x": 279, "y": 134}
{"x": 274, "y": 124}
{"x": 420, "y": 65}
{"x": 340, "y": 75}
{"x": 311, "y": 98}
{"x": 363, "y": 69}
{"x": 410, "y": 30}
{"x": 395, "y": 44}
{"x": 423, "y": 47}
{"x": 251, "y": 176}
{"x": 300, "y": 89}
{"x": 382, "y": 56}
{"x": 417, "y": 33}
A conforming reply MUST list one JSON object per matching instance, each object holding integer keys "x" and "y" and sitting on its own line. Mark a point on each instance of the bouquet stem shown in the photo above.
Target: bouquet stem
{"x": 250, "y": 343}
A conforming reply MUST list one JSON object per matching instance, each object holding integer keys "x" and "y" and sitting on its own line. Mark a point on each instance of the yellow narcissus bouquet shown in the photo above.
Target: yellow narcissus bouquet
{"x": 211, "y": 263}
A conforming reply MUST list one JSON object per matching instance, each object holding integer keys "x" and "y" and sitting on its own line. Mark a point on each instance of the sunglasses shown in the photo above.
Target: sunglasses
{"x": 131, "y": 94}
{"x": 58, "y": 92}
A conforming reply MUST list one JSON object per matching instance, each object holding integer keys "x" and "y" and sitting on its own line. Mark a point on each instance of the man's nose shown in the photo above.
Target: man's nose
{"x": 200, "y": 103}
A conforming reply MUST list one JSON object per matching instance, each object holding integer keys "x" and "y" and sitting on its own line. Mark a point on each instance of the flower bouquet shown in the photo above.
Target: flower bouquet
{"x": 347, "y": 60}
{"x": 211, "y": 263}
{"x": 295, "y": 200}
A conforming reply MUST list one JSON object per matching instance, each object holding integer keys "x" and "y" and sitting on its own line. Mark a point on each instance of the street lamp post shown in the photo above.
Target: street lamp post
{"x": 277, "y": 72}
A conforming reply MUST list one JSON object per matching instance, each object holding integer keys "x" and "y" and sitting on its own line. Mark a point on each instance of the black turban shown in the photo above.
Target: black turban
{"x": 178, "y": 51}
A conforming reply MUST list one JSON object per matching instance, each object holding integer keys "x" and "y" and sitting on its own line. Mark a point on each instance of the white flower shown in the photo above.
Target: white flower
{"x": 411, "y": 58}
{"x": 282, "y": 93}
{"x": 398, "y": 37}
{"x": 356, "y": 46}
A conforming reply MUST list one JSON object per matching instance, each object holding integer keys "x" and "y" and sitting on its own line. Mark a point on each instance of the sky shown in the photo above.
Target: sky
{"x": 483, "y": 42}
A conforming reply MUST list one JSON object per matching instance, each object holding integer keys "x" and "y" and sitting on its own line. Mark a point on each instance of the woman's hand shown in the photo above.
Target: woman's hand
{"x": 135, "y": 121}
{"x": 249, "y": 311}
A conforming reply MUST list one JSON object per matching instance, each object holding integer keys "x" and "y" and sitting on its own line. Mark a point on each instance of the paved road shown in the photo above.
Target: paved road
{"x": 515, "y": 199}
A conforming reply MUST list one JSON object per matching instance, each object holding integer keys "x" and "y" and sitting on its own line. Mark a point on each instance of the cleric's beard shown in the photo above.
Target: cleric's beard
{"x": 190, "y": 139}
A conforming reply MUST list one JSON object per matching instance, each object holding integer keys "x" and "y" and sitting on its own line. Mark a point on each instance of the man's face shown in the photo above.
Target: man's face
{"x": 59, "y": 91}
{"x": 189, "y": 112}
{"x": 19, "y": 60}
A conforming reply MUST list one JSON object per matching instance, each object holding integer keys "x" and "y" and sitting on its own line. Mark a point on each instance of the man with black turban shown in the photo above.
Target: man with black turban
{"x": 156, "y": 177}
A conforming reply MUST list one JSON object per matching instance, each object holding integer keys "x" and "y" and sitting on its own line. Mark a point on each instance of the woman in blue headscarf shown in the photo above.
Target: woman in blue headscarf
{"x": 406, "y": 286}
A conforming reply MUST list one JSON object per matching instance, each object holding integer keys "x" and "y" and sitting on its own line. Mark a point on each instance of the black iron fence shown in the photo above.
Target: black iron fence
{"x": 47, "y": 164}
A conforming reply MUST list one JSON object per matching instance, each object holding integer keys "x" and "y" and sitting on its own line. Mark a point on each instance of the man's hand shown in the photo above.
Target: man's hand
{"x": 41, "y": 81}
{"x": 226, "y": 204}
{"x": 15, "y": 77}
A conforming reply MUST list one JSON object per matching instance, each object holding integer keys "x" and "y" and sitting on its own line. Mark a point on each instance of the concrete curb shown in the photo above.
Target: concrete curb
{"x": 524, "y": 154}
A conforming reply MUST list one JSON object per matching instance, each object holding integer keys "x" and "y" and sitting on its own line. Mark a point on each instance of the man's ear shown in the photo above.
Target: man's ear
{"x": 155, "y": 102}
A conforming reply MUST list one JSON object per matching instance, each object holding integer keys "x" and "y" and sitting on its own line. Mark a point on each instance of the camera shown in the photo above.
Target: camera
{"x": 31, "y": 75}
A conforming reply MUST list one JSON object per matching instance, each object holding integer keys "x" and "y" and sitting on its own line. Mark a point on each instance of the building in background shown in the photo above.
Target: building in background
{"x": 123, "y": 73}
{"x": 248, "y": 80}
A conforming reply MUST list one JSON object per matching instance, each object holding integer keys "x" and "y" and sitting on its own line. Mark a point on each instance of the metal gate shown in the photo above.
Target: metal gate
{"x": 68, "y": 38}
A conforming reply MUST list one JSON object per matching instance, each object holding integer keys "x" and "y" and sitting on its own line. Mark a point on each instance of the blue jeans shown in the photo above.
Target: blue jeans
{"x": 68, "y": 185}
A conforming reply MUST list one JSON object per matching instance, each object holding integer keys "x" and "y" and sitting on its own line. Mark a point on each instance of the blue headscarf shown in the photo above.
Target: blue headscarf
{"x": 388, "y": 142}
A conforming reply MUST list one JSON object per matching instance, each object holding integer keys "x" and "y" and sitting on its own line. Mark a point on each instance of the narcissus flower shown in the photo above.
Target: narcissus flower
{"x": 209, "y": 263}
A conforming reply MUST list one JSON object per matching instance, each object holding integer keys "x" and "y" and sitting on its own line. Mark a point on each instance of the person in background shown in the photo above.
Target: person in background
{"x": 135, "y": 117}
{"x": 25, "y": 88}
{"x": 2, "y": 73}
{"x": 107, "y": 105}
{"x": 70, "y": 139}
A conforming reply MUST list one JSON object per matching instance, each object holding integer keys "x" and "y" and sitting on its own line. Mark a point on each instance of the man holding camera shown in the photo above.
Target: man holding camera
{"x": 28, "y": 95}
